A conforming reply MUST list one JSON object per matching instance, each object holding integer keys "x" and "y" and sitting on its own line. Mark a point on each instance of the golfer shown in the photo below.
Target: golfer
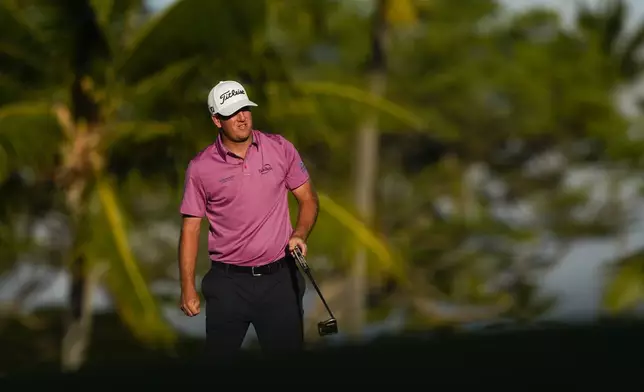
{"x": 240, "y": 183}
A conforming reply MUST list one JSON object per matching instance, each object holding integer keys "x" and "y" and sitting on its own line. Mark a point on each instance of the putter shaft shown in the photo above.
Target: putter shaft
{"x": 305, "y": 267}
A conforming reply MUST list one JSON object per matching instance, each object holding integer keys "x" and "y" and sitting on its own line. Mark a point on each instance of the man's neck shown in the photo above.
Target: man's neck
{"x": 238, "y": 149}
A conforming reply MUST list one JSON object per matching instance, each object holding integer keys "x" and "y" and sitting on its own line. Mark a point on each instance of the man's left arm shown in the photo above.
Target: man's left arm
{"x": 299, "y": 183}
{"x": 308, "y": 206}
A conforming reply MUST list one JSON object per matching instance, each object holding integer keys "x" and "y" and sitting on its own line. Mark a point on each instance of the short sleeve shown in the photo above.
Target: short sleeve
{"x": 194, "y": 196}
{"x": 296, "y": 172}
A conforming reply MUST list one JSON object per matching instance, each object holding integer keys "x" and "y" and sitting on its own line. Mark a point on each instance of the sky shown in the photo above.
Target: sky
{"x": 566, "y": 7}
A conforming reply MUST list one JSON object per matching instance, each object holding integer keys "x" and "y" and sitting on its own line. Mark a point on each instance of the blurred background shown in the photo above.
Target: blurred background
{"x": 479, "y": 163}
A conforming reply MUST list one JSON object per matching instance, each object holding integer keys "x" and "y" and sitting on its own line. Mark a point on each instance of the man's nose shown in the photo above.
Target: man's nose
{"x": 241, "y": 115}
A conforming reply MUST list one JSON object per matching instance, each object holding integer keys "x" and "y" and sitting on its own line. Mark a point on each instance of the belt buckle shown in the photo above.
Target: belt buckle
{"x": 252, "y": 271}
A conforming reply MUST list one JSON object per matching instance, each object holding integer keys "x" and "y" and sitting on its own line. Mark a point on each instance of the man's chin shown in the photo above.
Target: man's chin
{"x": 242, "y": 138}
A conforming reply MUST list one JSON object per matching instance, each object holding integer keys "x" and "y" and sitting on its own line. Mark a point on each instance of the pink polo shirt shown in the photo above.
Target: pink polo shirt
{"x": 245, "y": 200}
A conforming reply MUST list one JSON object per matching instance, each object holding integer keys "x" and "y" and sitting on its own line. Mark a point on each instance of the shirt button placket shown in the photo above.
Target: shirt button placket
{"x": 244, "y": 164}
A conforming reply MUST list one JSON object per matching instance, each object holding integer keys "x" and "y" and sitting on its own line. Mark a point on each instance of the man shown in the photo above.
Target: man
{"x": 241, "y": 184}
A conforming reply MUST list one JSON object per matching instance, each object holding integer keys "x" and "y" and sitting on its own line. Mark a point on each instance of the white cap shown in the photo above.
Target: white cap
{"x": 227, "y": 97}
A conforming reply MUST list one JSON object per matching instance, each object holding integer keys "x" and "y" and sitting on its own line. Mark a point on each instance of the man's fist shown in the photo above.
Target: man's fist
{"x": 190, "y": 302}
{"x": 296, "y": 241}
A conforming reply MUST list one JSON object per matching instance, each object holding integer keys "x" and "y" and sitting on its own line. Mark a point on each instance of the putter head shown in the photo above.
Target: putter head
{"x": 328, "y": 327}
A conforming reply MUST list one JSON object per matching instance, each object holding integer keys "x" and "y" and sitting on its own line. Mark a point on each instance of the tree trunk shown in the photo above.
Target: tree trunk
{"x": 77, "y": 168}
{"x": 366, "y": 172}
{"x": 77, "y": 331}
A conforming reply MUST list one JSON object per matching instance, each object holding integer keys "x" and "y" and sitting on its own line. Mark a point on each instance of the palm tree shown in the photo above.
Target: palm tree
{"x": 91, "y": 74}
{"x": 367, "y": 116}
{"x": 367, "y": 148}
{"x": 93, "y": 94}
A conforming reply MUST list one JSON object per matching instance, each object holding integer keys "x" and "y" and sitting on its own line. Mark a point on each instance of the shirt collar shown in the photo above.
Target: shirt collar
{"x": 224, "y": 152}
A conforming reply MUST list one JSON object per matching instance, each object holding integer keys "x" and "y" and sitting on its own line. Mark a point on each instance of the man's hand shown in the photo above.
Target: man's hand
{"x": 296, "y": 241}
{"x": 190, "y": 302}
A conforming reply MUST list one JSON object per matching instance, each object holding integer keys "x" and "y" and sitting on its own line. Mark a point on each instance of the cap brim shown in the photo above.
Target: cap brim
{"x": 233, "y": 107}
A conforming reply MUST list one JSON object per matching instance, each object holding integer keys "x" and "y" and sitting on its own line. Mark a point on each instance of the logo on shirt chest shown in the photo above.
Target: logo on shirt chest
{"x": 265, "y": 169}
{"x": 226, "y": 179}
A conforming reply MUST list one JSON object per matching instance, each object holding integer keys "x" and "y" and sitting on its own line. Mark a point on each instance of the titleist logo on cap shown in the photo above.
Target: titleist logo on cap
{"x": 229, "y": 94}
{"x": 220, "y": 102}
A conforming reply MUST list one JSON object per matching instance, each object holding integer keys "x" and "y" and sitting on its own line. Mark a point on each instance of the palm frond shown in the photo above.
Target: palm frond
{"x": 357, "y": 95}
{"x": 187, "y": 28}
{"x": 29, "y": 136}
{"x": 161, "y": 87}
{"x": 134, "y": 300}
{"x": 631, "y": 63}
{"x": 388, "y": 260}
{"x": 23, "y": 50}
{"x": 615, "y": 19}
{"x": 625, "y": 288}
{"x": 114, "y": 18}
{"x": 103, "y": 11}
{"x": 135, "y": 132}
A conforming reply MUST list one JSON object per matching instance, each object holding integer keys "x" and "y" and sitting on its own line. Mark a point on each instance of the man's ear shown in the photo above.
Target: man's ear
{"x": 216, "y": 120}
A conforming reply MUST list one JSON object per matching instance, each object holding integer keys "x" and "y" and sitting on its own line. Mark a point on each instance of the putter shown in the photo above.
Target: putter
{"x": 326, "y": 327}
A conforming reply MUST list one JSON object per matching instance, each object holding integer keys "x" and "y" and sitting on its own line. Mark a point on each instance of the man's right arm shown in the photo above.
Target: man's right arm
{"x": 193, "y": 209}
{"x": 188, "y": 249}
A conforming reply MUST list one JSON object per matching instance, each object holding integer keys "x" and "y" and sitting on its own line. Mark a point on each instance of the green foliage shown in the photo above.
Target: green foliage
{"x": 507, "y": 119}
{"x": 108, "y": 80}
{"x": 625, "y": 287}
{"x": 487, "y": 124}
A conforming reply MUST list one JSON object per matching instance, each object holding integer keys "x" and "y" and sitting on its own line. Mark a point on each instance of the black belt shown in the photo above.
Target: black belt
{"x": 265, "y": 269}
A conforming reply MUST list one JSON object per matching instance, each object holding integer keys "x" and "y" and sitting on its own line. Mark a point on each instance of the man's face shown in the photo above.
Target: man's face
{"x": 238, "y": 126}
